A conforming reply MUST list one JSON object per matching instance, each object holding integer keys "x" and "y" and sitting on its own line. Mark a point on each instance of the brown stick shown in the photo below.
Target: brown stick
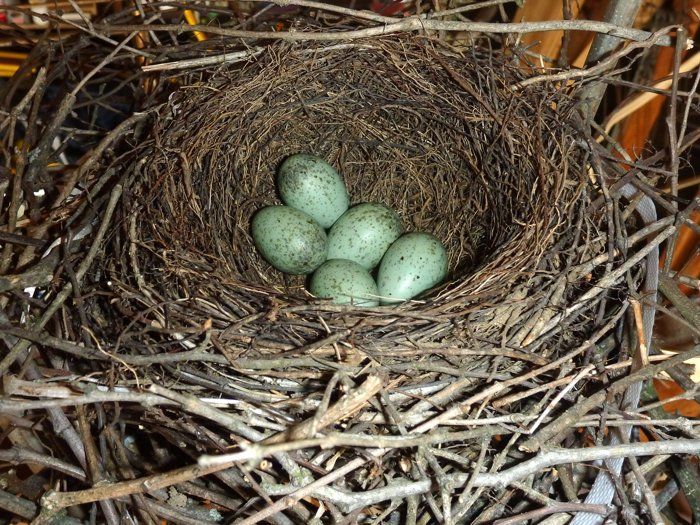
{"x": 554, "y": 509}
{"x": 597, "y": 69}
{"x": 63, "y": 295}
{"x": 16, "y": 505}
{"x": 582, "y": 408}
{"x": 687, "y": 308}
{"x": 413, "y": 23}
{"x": 494, "y": 389}
{"x": 401, "y": 489}
{"x": 52, "y": 502}
{"x": 18, "y": 456}
{"x": 345, "y": 407}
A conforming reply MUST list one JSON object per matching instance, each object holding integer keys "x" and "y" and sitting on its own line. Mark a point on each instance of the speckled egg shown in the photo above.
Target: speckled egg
{"x": 363, "y": 234}
{"x": 413, "y": 264}
{"x": 311, "y": 185}
{"x": 289, "y": 239}
{"x": 344, "y": 282}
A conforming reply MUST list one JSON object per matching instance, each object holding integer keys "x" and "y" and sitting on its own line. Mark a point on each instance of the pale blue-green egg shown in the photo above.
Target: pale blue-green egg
{"x": 289, "y": 239}
{"x": 413, "y": 264}
{"x": 363, "y": 234}
{"x": 344, "y": 282}
{"x": 311, "y": 185}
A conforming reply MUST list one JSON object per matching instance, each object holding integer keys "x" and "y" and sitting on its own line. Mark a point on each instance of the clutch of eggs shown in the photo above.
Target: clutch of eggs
{"x": 292, "y": 238}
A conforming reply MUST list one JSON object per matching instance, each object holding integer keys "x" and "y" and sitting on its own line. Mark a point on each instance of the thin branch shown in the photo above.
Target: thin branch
{"x": 460, "y": 408}
{"x": 412, "y": 23}
{"x": 17, "y": 505}
{"x": 402, "y": 489}
{"x": 603, "y": 510}
{"x": 547, "y": 434}
{"x": 686, "y": 307}
{"x": 599, "y": 68}
{"x": 466, "y": 8}
{"x": 21, "y": 456}
{"x": 54, "y": 501}
{"x": 19, "y": 348}
{"x": 620, "y": 13}
{"x": 226, "y": 58}
{"x": 345, "y": 407}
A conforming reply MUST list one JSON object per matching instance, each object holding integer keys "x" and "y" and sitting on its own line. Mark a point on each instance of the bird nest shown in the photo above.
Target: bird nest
{"x": 448, "y": 139}
{"x": 215, "y": 356}
{"x": 441, "y": 137}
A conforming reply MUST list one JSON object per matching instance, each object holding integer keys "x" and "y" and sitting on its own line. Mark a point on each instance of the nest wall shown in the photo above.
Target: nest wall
{"x": 443, "y": 137}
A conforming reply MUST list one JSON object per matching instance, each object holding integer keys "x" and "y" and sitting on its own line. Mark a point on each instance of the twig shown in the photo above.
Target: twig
{"x": 466, "y": 8}
{"x": 507, "y": 400}
{"x": 19, "y": 348}
{"x": 402, "y": 489}
{"x": 21, "y": 240}
{"x": 226, "y": 58}
{"x": 566, "y": 478}
{"x": 192, "y": 404}
{"x": 603, "y": 510}
{"x": 52, "y": 502}
{"x": 64, "y": 429}
{"x": 583, "y": 373}
{"x": 647, "y": 492}
{"x": 51, "y": 17}
{"x": 322, "y": 6}
{"x": 547, "y": 434}
{"x": 641, "y": 356}
{"x": 610, "y": 279}
{"x": 16, "y": 505}
{"x": 18, "y": 108}
{"x": 233, "y": 423}
{"x": 463, "y": 497}
{"x": 649, "y": 93}
{"x": 672, "y": 123}
{"x": 344, "y": 407}
{"x": 596, "y": 69}
{"x": 688, "y": 394}
{"x": 407, "y": 24}
{"x": 494, "y": 389}
{"x": 620, "y": 12}
{"x": 688, "y": 104}
{"x": 648, "y": 467}
{"x": 17, "y": 456}
{"x": 92, "y": 460}
{"x": 686, "y": 307}
{"x": 320, "y": 483}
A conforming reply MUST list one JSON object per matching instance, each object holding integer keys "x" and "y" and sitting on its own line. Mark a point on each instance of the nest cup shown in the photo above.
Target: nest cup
{"x": 445, "y": 138}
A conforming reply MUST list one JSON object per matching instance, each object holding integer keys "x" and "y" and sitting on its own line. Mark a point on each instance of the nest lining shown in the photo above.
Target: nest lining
{"x": 441, "y": 137}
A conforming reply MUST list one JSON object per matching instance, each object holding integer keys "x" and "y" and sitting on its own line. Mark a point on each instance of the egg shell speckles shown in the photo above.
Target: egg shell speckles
{"x": 289, "y": 239}
{"x": 311, "y": 185}
{"x": 344, "y": 282}
{"x": 364, "y": 233}
{"x": 413, "y": 264}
